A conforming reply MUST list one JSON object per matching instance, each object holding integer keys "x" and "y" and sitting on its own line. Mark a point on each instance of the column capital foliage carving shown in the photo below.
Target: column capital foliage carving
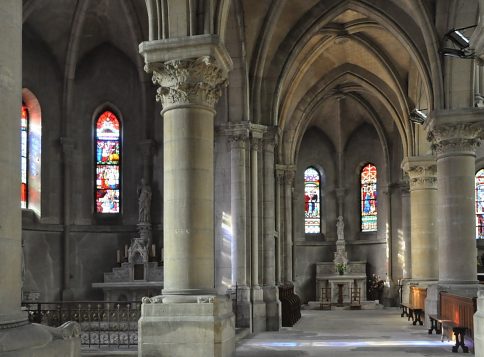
{"x": 422, "y": 172}
{"x": 189, "y": 81}
{"x": 238, "y": 140}
{"x": 256, "y": 144}
{"x": 455, "y": 138}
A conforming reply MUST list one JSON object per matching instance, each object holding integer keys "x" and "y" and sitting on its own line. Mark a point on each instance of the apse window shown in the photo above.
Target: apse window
{"x": 368, "y": 180}
{"x": 480, "y": 204}
{"x": 108, "y": 160}
{"x": 312, "y": 204}
{"x": 30, "y": 152}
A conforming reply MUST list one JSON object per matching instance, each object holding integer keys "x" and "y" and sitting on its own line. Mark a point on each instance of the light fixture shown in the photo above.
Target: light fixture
{"x": 417, "y": 116}
{"x": 461, "y": 41}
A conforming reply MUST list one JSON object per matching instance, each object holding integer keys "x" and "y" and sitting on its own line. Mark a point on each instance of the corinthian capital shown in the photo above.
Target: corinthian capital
{"x": 455, "y": 138}
{"x": 422, "y": 172}
{"x": 189, "y": 81}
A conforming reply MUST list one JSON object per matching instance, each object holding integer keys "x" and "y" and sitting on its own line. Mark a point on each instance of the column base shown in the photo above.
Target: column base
{"x": 205, "y": 328}
{"x": 23, "y": 339}
{"x": 479, "y": 325}
{"x": 258, "y": 310}
{"x": 243, "y": 312}
{"x": 273, "y": 308}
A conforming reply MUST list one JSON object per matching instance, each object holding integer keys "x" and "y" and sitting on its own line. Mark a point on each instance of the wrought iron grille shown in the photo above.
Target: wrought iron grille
{"x": 111, "y": 324}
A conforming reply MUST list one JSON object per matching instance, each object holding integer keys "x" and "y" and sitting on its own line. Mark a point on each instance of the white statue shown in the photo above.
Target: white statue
{"x": 144, "y": 201}
{"x": 340, "y": 228}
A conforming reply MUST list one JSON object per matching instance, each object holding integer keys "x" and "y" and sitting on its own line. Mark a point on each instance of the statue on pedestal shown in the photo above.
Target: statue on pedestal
{"x": 144, "y": 202}
{"x": 340, "y": 256}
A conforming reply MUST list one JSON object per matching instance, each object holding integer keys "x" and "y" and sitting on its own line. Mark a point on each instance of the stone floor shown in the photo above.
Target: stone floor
{"x": 365, "y": 333}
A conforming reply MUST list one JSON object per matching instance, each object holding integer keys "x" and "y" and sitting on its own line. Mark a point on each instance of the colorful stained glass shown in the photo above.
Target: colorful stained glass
{"x": 312, "y": 214}
{"x": 368, "y": 198}
{"x": 480, "y": 204}
{"x": 24, "y": 127}
{"x": 108, "y": 160}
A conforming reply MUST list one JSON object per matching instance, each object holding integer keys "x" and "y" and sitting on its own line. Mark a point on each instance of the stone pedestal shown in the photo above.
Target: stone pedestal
{"x": 327, "y": 277}
{"x": 205, "y": 328}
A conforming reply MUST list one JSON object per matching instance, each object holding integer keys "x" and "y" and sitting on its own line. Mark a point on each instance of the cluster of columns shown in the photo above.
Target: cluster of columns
{"x": 442, "y": 200}
{"x": 254, "y": 237}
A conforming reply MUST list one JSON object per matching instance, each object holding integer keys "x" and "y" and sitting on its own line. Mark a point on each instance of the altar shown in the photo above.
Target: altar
{"x": 328, "y": 277}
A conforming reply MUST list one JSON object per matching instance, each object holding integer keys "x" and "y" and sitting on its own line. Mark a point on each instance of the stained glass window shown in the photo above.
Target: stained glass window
{"x": 368, "y": 198}
{"x": 24, "y": 131}
{"x": 107, "y": 163}
{"x": 480, "y": 204}
{"x": 312, "y": 214}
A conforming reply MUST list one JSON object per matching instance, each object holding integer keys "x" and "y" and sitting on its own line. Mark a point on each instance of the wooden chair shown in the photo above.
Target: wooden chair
{"x": 325, "y": 299}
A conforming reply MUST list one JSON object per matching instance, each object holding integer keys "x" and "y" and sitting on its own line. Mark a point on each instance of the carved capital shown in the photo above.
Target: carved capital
{"x": 289, "y": 176}
{"x": 461, "y": 138}
{"x": 189, "y": 81}
{"x": 422, "y": 172}
{"x": 238, "y": 140}
{"x": 256, "y": 144}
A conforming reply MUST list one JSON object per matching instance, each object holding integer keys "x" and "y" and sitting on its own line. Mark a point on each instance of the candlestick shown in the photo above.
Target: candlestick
{"x": 118, "y": 256}
{"x": 125, "y": 250}
{"x": 153, "y": 252}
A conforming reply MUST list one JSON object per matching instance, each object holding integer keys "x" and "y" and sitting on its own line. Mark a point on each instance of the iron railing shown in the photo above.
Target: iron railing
{"x": 104, "y": 324}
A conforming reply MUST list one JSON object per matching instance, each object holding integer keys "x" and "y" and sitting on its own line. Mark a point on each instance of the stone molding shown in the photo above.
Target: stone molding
{"x": 256, "y": 144}
{"x": 422, "y": 172}
{"x": 455, "y": 138}
{"x": 189, "y": 82}
{"x": 238, "y": 140}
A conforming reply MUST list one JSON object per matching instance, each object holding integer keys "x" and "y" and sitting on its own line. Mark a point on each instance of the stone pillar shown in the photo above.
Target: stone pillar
{"x": 17, "y": 336}
{"x": 279, "y": 226}
{"x": 405, "y": 245}
{"x": 238, "y": 138}
{"x": 288, "y": 244}
{"x": 67, "y": 155}
{"x": 188, "y": 319}
{"x": 147, "y": 149}
{"x": 258, "y": 306}
{"x": 271, "y": 295}
{"x": 479, "y": 326}
{"x": 423, "y": 195}
{"x": 455, "y": 136}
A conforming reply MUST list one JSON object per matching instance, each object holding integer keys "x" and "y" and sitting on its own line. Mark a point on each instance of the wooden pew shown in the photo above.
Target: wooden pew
{"x": 415, "y": 307}
{"x": 456, "y": 315}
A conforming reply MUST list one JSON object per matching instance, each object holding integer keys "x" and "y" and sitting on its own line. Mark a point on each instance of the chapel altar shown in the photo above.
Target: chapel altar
{"x": 341, "y": 276}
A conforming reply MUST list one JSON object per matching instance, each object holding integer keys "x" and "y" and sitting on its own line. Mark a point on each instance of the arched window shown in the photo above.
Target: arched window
{"x": 24, "y": 155}
{"x": 368, "y": 180}
{"x": 108, "y": 159}
{"x": 30, "y": 152}
{"x": 312, "y": 204}
{"x": 480, "y": 204}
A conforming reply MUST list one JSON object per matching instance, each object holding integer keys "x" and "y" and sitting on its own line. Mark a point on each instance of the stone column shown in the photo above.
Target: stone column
{"x": 271, "y": 296}
{"x": 423, "y": 195}
{"x": 238, "y": 138}
{"x": 405, "y": 239}
{"x": 67, "y": 154}
{"x": 258, "y": 306}
{"x": 17, "y": 336}
{"x": 188, "y": 319}
{"x": 147, "y": 149}
{"x": 455, "y": 136}
{"x": 279, "y": 226}
{"x": 288, "y": 244}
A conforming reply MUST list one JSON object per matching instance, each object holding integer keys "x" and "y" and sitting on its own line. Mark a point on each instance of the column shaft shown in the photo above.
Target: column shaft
{"x": 239, "y": 209}
{"x": 10, "y": 212}
{"x": 423, "y": 193}
{"x": 269, "y": 216}
{"x": 254, "y": 170}
{"x": 405, "y": 239}
{"x": 288, "y": 183}
{"x": 188, "y": 200}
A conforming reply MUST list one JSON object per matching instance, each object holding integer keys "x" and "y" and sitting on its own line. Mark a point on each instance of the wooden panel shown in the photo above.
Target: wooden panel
{"x": 459, "y": 309}
{"x": 417, "y": 296}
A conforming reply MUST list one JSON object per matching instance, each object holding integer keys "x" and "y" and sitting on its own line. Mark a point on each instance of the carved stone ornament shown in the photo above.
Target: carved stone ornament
{"x": 423, "y": 176}
{"x": 152, "y": 300}
{"x": 192, "y": 81}
{"x": 239, "y": 141}
{"x": 455, "y": 138}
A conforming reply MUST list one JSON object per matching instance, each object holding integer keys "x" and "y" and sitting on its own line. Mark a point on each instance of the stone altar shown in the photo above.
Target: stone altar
{"x": 328, "y": 277}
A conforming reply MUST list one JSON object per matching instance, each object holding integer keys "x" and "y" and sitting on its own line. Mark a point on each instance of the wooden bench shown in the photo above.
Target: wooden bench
{"x": 415, "y": 308}
{"x": 456, "y": 315}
